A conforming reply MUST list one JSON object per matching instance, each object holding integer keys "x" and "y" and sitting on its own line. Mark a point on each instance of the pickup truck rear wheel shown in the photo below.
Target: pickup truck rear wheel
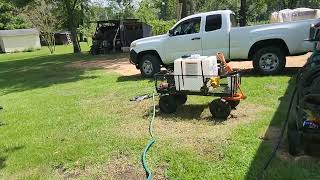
{"x": 269, "y": 60}
{"x": 149, "y": 65}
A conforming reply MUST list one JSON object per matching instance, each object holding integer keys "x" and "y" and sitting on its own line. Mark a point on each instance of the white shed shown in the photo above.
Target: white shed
{"x": 19, "y": 40}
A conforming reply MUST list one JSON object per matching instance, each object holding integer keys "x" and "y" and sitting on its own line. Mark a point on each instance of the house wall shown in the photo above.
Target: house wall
{"x": 19, "y": 43}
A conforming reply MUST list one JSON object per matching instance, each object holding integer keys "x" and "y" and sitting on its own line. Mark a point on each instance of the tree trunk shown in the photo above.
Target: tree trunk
{"x": 292, "y": 4}
{"x": 81, "y": 22}
{"x": 284, "y": 5}
{"x": 164, "y": 10}
{"x": 75, "y": 42}
{"x": 179, "y": 9}
{"x": 192, "y": 7}
{"x": 71, "y": 26}
{"x": 184, "y": 12}
{"x": 187, "y": 8}
{"x": 243, "y": 13}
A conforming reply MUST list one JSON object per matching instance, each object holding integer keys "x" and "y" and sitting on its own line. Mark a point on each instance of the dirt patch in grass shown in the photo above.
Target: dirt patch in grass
{"x": 293, "y": 61}
{"x": 118, "y": 65}
{"x": 122, "y": 65}
{"x": 120, "y": 168}
{"x": 192, "y": 126}
{"x": 271, "y": 135}
{"x": 283, "y": 154}
{"x": 68, "y": 174}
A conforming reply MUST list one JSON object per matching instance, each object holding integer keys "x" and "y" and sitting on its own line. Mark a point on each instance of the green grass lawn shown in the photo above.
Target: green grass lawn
{"x": 60, "y": 122}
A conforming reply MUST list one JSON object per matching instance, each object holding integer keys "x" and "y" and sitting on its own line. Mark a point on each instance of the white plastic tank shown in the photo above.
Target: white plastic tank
{"x": 190, "y": 73}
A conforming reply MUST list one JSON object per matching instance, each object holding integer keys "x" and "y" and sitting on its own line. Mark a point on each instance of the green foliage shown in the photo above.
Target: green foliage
{"x": 258, "y": 10}
{"x": 97, "y": 12}
{"x": 212, "y": 5}
{"x": 10, "y": 17}
{"x": 167, "y": 9}
{"x": 160, "y": 26}
{"x": 147, "y": 13}
{"x": 253, "y": 23}
{"x": 19, "y": 3}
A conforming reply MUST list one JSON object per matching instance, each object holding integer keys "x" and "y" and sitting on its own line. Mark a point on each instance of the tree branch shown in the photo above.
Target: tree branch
{"x": 74, "y": 4}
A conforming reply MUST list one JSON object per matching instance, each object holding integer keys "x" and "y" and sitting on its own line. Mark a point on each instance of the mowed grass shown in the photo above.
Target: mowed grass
{"x": 59, "y": 122}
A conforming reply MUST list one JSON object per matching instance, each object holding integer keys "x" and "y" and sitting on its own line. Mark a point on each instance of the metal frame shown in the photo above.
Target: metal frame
{"x": 235, "y": 83}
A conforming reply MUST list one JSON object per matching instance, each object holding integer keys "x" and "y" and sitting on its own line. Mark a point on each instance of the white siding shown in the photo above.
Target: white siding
{"x": 14, "y": 40}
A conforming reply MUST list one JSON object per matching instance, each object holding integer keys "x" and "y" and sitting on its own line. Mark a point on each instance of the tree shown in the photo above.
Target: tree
{"x": 71, "y": 12}
{"x": 187, "y": 7}
{"x": 19, "y": 3}
{"x": 126, "y": 9}
{"x": 167, "y": 9}
{"x": 41, "y": 14}
{"x": 243, "y": 13}
{"x": 149, "y": 12}
{"x": 10, "y": 17}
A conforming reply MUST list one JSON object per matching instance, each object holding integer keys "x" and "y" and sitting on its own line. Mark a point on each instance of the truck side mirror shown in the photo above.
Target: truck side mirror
{"x": 171, "y": 32}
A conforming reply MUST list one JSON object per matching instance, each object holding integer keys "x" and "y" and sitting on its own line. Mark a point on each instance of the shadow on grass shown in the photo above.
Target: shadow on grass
{"x": 136, "y": 77}
{"x": 43, "y": 71}
{"x": 190, "y": 112}
{"x": 289, "y": 71}
{"x": 186, "y": 112}
{"x": 5, "y": 152}
{"x": 283, "y": 166}
{"x": 256, "y": 166}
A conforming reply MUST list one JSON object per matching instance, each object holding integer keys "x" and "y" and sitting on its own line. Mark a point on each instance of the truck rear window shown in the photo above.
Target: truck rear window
{"x": 213, "y": 22}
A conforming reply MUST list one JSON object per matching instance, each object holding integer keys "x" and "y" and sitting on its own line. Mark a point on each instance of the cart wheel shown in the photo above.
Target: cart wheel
{"x": 168, "y": 104}
{"x": 234, "y": 104}
{"x": 181, "y": 98}
{"x": 220, "y": 109}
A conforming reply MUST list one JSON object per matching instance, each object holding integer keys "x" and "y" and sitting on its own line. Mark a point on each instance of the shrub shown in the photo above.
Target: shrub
{"x": 160, "y": 26}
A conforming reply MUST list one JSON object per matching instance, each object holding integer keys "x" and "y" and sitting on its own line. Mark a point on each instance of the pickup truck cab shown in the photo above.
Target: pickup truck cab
{"x": 208, "y": 33}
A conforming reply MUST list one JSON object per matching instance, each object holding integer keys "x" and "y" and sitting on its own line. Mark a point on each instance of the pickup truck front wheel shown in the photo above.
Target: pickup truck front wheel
{"x": 149, "y": 65}
{"x": 269, "y": 60}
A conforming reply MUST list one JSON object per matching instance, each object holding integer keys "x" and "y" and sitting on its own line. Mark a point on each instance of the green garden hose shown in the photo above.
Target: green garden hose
{"x": 150, "y": 143}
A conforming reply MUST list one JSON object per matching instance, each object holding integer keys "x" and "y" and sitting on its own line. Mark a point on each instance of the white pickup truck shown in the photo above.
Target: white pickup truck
{"x": 208, "y": 33}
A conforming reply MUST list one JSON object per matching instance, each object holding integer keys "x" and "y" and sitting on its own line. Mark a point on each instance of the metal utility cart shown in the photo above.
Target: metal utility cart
{"x": 226, "y": 87}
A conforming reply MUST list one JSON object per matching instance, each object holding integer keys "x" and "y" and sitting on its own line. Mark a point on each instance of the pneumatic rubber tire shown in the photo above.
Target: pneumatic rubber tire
{"x": 220, "y": 109}
{"x": 181, "y": 98}
{"x": 149, "y": 65}
{"x": 234, "y": 104}
{"x": 269, "y": 60}
{"x": 168, "y": 104}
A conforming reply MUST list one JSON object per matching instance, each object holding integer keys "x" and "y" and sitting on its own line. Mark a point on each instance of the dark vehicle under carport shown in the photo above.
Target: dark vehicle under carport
{"x": 117, "y": 35}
